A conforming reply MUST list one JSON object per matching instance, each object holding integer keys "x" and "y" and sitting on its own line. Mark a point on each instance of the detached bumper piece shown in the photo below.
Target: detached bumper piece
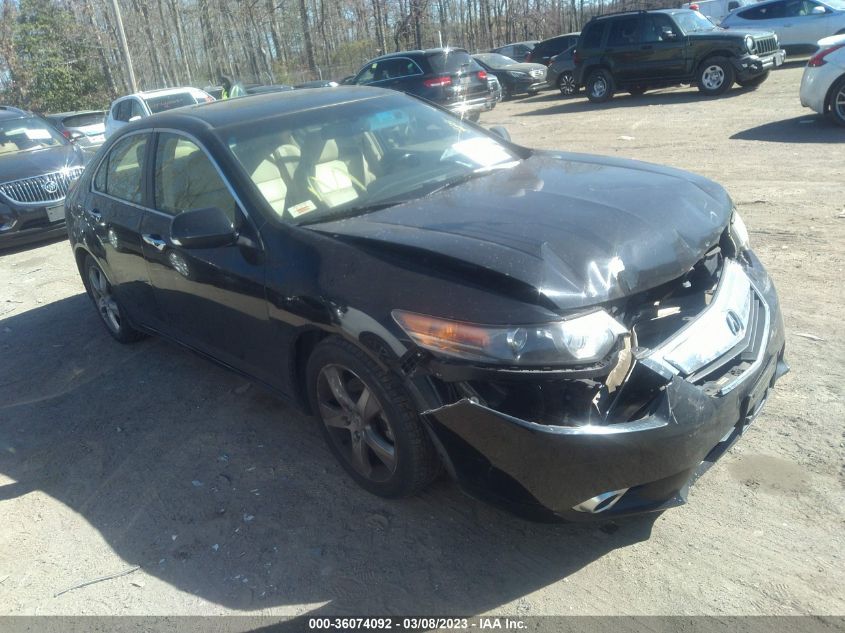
{"x": 751, "y": 66}
{"x": 665, "y": 424}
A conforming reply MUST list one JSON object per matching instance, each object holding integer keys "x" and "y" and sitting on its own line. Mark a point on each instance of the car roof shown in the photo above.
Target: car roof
{"x": 162, "y": 92}
{"x": 427, "y": 51}
{"x": 220, "y": 114}
{"x": 549, "y": 39}
{"x": 8, "y": 113}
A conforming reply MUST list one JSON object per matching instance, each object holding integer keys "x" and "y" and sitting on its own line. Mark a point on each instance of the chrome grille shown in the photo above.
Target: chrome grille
{"x": 52, "y": 187}
{"x": 538, "y": 73}
{"x": 764, "y": 45}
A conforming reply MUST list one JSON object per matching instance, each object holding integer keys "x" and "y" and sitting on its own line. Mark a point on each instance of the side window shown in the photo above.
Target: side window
{"x": 594, "y": 35}
{"x": 120, "y": 111}
{"x": 367, "y": 75}
{"x": 136, "y": 109}
{"x": 624, "y": 32}
{"x": 121, "y": 173}
{"x": 799, "y": 8}
{"x": 732, "y": 5}
{"x": 659, "y": 28}
{"x": 509, "y": 51}
{"x": 186, "y": 179}
{"x": 766, "y": 12}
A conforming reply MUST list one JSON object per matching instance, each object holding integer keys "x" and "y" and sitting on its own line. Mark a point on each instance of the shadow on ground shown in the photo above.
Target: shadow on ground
{"x": 147, "y": 442}
{"x": 579, "y": 103}
{"x": 803, "y": 129}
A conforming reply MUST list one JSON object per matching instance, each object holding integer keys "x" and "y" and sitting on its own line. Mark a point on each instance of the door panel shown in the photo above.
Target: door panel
{"x": 624, "y": 50}
{"x": 212, "y": 299}
{"x": 114, "y": 210}
{"x": 666, "y": 46}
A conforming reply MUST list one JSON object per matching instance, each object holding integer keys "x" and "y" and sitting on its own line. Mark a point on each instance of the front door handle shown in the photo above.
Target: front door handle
{"x": 155, "y": 241}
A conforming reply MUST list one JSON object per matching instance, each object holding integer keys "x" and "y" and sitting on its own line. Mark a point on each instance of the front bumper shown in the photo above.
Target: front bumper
{"x": 750, "y": 66}
{"x": 530, "y": 84}
{"x": 21, "y": 225}
{"x": 546, "y": 471}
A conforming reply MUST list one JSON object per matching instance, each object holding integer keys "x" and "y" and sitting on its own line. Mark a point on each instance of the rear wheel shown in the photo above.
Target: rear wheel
{"x": 369, "y": 421}
{"x": 754, "y": 82}
{"x": 108, "y": 307}
{"x": 836, "y": 102}
{"x": 715, "y": 76}
{"x": 600, "y": 86}
{"x": 507, "y": 95}
{"x": 566, "y": 84}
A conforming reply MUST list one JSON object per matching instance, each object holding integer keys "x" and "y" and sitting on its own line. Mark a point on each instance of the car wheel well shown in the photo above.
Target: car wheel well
{"x": 303, "y": 346}
{"x": 79, "y": 255}
{"x": 726, "y": 54}
{"x": 834, "y": 87}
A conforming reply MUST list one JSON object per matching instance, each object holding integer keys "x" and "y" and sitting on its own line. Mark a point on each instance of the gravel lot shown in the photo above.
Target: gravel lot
{"x": 115, "y": 456}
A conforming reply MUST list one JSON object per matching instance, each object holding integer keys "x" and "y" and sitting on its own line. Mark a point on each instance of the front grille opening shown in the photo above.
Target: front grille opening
{"x": 658, "y": 314}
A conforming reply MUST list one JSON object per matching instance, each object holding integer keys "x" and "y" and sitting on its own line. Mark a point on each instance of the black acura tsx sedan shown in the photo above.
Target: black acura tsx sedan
{"x": 566, "y": 335}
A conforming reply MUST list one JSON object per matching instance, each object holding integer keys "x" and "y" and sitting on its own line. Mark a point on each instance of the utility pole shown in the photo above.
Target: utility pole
{"x": 132, "y": 83}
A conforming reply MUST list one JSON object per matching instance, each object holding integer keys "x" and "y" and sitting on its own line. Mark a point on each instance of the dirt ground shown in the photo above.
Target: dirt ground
{"x": 116, "y": 456}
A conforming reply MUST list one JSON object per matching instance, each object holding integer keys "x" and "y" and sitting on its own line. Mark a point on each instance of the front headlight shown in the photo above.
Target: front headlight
{"x": 749, "y": 43}
{"x": 578, "y": 340}
{"x": 517, "y": 74}
{"x": 739, "y": 232}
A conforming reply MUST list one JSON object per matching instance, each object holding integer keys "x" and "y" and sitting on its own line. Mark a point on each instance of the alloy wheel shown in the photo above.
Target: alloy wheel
{"x": 106, "y": 305}
{"x": 838, "y": 103}
{"x": 356, "y": 422}
{"x": 566, "y": 84}
{"x": 599, "y": 87}
{"x": 713, "y": 77}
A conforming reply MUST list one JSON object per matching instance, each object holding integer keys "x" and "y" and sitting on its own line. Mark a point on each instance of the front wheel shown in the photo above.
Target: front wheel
{"x": 600, "y": 86}
{"x": 369, "y": 421}
{"x": 836, "y": 102}
{"x": 754, "y": 82}
{"x": 715, "y": 76}
{"x": 111, "y": 313}
{"x": 566, "y": 84}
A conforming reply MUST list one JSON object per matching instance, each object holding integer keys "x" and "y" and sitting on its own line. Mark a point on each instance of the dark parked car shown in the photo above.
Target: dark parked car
{"x": 517, "y": 51}
{"x": 448, "y": 77}
{"x": 37, "y": 167}
{"x": 87, "y": 129}
{"x": 637, "y": 51}
{"x": 515, "y": 78}
{"x": 545, "y": 50}
{"x": 561, "y": 72}
{"x": 565, "y": 334}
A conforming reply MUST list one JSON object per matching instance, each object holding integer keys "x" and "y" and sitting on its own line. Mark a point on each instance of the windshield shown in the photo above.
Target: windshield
{"x": 352, "y": 158}
{"x": 693, "y": 22}
{"x": 494, "y": 60}
{"x": 836, "y": 4}
{"x": 168, "y": 102}
{"x": 451, "y": 61}
{"x": 22, "y": 135}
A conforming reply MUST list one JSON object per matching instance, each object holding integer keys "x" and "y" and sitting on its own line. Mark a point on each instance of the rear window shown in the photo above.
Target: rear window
{"x": 168, "y": 102}
{"x": 451, "y": 62}
{"x": 83, "y": 120}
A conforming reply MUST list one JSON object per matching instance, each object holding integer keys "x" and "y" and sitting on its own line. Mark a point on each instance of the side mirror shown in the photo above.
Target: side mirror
{"x": 669, "y": 34}
{"x": 75, "y": 135}
{"x": 818, "y": 10}
{"x": 347, "y": 81}
{"x": 137, "y": 117}
{"x": 203, "y": 228}
{"x": 501, "y": 131}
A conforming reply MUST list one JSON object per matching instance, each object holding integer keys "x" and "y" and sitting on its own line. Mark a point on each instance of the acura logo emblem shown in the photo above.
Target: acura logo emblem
{"x": 50, "y": 186}
{"x": 735, "y": 324}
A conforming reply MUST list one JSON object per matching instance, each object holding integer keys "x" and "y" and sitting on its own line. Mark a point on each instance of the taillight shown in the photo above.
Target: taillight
{"x": 436, "y": 82}
{"x": 818, "y": 59}
{"x": 482, "y": 74}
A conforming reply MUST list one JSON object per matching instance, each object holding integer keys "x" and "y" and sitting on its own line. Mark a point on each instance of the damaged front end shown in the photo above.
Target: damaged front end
{"x": 626, "y": 433}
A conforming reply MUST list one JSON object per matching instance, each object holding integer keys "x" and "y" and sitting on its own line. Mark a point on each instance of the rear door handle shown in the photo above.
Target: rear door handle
{"x": 155, "y": 241}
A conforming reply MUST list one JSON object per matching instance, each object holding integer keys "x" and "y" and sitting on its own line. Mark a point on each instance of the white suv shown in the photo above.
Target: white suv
{"x": 143, "y": 104}
{"x": 799, "y": 24}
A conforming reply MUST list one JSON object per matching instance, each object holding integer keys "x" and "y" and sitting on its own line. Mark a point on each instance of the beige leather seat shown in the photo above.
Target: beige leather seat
{"x": 273, "y": 176}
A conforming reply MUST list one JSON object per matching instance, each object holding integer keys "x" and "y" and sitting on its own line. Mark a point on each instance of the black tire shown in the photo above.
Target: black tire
{"x": 715, "y": 76}
{"x": 637, "y": 91}
{"x": 112, "y": 315}
{"x": 754, "y": 82}
{"x": 381, "y": 443}
{"x": 600, "y": 86}
{"x": 507, "y": 95}
{"x": 836, "y": 102}
{"x": 566, "y": 84}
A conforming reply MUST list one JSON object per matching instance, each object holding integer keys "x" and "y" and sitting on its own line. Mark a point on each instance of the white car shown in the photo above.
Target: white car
{"x": 143, "y": 104}
{"x": 823, "y": 83}
{"x": 716, "y": 10}
{"x": 799, "y": 24}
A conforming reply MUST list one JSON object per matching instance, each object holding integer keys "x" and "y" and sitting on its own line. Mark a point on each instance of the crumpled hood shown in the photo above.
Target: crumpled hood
{"x": 578, "y": 229}
{"x": 36, "y": 162}
{"x": 523, "y": 67}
